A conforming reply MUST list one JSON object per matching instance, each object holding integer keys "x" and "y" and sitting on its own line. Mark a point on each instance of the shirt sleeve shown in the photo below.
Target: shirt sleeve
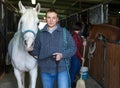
{"x": 70, "y": 48}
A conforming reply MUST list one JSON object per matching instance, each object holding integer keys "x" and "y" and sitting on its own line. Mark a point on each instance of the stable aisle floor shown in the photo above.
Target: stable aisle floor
{"x": 9, "y": 81}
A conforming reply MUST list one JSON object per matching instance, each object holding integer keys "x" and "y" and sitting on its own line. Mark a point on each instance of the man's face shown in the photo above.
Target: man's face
{"x": 51, "y": 19}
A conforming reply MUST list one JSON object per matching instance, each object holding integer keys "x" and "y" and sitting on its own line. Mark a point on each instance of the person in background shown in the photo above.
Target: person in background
{"x": 77, "y": 58}
{"x": 49, "y": 41}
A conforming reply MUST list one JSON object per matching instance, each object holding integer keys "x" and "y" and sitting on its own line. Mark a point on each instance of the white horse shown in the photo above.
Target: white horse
{"x": 21, "y": 43}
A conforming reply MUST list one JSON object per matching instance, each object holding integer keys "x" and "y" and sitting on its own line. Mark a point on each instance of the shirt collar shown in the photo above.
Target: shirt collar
{"x": 50, "y": 31}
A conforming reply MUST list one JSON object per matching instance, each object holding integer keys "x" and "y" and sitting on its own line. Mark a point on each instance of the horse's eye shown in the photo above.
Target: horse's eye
{"x": 38, "y": 23}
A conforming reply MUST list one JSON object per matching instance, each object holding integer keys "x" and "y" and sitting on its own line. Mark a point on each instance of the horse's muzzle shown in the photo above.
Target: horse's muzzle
{"x": 29, "y": 44}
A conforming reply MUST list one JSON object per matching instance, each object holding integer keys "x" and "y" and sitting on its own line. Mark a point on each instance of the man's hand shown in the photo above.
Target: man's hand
{"x": 58, "y": 56}
{"x": 84, "y": 42}
{"x": 83, "y": 61}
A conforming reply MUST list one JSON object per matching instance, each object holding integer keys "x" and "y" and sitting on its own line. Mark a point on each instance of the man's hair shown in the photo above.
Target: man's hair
{"x": 52, "y": 10}
{"x": 77, "y": 26}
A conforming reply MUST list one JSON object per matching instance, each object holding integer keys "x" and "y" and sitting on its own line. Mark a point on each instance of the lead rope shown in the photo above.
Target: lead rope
{"x": 57, "y": 63}
{"x": 66, "y": 61}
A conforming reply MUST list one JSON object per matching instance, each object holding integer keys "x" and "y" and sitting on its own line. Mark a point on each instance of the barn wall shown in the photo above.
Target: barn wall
{"x": 2, "y": 42}
{"x": 8, "y": 25}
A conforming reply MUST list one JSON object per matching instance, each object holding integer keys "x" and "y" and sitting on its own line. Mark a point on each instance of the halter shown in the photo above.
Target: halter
{"x": 29, "y": 31}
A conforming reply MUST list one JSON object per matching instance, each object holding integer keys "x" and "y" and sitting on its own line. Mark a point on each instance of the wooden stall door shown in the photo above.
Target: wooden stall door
{"x": 97, "y": 63}
{"x": 112, "y": 66}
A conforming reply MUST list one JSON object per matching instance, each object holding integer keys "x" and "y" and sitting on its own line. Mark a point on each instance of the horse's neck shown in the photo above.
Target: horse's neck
{"x": 18, "y": 39}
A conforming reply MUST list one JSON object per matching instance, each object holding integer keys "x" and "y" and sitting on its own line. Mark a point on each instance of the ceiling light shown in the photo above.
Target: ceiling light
{"x": 119, "y": 12}
{"x": 33, "y": 1}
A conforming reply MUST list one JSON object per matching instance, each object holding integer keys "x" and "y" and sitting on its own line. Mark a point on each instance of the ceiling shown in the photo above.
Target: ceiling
{"x": 66, "y": 7}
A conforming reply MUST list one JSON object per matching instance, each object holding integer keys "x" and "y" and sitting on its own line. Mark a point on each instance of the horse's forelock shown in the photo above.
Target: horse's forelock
{"x": 29, "y": 16}
{"x": 30, "y": 13}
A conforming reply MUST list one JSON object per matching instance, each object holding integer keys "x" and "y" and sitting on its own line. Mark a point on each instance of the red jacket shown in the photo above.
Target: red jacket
{"x": 79, "y": 44}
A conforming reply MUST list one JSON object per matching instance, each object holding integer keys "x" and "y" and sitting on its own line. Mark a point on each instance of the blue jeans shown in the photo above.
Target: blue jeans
{"x": 48, "y": 79}
{"x": 75, "y": 68}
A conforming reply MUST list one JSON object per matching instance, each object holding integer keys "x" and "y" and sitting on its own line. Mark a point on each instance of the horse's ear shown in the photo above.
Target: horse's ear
{"x": 21, "y": 7}
{"x": 38, "y": 7}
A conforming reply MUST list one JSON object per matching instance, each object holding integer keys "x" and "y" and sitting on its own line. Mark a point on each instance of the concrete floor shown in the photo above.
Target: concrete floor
{"x": 9, "y": 81}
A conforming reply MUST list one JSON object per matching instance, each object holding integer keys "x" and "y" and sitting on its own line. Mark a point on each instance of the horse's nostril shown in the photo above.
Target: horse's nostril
{"x": 32, "y": 44}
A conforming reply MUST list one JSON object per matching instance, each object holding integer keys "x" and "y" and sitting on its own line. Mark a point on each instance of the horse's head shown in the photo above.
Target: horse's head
{"x": 109, "y": 32}
{"x": 28, "y": 24}
{"x": 93, "y": 36}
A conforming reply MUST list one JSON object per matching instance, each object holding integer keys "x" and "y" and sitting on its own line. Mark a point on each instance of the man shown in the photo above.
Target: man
{"x": 50, "y": 41}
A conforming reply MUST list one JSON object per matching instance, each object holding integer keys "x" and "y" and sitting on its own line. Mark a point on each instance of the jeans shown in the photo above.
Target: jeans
{"x": 74, "y": 69}
{"x": 48, "y": 79}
